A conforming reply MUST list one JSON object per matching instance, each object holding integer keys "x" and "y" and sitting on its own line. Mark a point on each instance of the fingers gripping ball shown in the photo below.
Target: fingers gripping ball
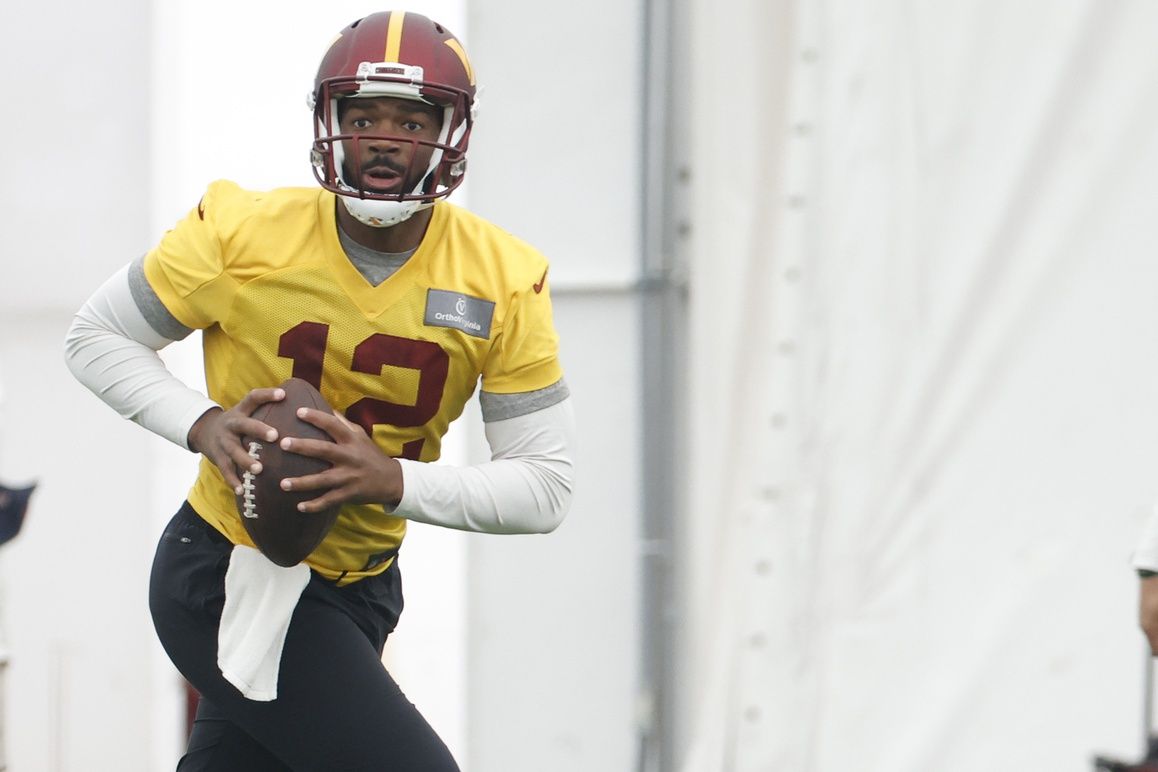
{"x": 269, "y": 514}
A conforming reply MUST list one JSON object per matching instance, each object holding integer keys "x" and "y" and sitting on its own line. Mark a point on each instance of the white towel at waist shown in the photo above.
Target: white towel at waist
{"x": 260, "y": 597}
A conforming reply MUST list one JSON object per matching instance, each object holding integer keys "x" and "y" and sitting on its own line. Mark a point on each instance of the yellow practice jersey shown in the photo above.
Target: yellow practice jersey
{"x": 264, "y": 275}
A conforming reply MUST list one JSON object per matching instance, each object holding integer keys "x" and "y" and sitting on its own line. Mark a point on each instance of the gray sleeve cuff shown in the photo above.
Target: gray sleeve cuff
{"x": 151, "y": 307}
{"x": 499, "y": 407}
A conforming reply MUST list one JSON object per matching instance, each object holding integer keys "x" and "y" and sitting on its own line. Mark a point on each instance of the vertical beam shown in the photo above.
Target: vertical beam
{"x": 663, "y": 230}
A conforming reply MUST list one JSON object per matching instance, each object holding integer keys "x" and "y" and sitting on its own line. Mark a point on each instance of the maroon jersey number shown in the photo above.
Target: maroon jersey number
{"x": 305, "y": 344}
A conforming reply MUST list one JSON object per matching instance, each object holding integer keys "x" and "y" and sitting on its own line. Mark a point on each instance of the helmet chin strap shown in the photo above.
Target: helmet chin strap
{"x": 373, "y": 212}
{"x": 382, "y": 214}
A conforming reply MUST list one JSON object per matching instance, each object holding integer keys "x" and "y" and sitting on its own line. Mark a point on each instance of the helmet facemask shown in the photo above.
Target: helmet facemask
{"x": 447, "y": 164}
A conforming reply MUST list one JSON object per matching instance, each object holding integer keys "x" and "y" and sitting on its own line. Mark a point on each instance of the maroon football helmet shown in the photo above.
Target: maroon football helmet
{"x": 393, "y": 54}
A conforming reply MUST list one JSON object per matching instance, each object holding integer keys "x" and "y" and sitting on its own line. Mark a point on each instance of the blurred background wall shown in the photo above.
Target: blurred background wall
{"x": 856, "y": 305}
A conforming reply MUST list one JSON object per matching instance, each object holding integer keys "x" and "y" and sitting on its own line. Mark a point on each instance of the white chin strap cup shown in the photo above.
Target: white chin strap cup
{"x": 382, "y": 214}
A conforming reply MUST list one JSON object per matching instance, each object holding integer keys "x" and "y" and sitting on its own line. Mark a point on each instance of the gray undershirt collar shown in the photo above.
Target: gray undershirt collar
{"x": 376, "y": 267}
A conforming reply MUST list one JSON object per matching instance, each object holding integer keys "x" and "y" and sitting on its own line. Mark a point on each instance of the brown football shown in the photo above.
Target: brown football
{"x": 269, "y": 514}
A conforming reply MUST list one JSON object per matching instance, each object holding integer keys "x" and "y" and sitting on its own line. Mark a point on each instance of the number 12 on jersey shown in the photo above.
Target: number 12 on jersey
{"x": 305, "y": 345}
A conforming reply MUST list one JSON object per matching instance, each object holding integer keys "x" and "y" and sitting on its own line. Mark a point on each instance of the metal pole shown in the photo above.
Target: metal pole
{"x": 663, "y": 303}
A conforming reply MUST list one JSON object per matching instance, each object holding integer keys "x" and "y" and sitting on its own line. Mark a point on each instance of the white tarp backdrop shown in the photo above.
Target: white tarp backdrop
{"x": 926, "y": 399}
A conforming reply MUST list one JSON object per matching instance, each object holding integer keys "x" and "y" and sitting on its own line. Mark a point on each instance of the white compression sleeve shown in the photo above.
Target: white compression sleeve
{"x": 525, "y": 488}
{"x": 112, "y": 349}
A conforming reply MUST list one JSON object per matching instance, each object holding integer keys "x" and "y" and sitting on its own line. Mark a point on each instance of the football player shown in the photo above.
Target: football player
{"x": 395, "y": 304}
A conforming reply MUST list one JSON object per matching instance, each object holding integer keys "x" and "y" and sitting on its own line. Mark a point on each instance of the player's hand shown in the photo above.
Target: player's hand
{"x": 360, "y": 473}
{"x": 1148, "y": 610}
{"x": 218, "y": 435}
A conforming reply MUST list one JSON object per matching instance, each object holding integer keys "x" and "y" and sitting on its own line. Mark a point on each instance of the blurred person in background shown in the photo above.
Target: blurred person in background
{"x": 1146, "y": 564}
{"x": 13, "y": 507}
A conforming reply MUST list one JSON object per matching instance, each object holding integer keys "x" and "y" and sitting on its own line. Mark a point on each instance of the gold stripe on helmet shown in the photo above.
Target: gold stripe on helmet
{"x": 394, "y": 35}
{"x": 455, "y": 46}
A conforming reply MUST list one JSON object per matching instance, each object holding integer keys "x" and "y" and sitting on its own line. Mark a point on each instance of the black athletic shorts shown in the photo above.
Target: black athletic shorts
{"x": 337, "y": 709}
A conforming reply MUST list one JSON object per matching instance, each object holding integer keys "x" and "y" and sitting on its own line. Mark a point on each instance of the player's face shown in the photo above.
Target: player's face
{"x": 393, "y": 165}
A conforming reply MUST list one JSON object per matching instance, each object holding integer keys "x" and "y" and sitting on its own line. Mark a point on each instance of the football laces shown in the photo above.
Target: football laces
{"x": 248, "y": 497}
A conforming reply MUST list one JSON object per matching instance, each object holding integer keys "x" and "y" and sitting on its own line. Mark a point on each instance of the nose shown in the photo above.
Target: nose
{"x": 382, "y": 144}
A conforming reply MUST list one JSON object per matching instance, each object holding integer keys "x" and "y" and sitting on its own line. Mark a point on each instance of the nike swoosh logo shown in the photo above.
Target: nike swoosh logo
{"x": 539, "y": 287}
{"x": 201, "y": 209}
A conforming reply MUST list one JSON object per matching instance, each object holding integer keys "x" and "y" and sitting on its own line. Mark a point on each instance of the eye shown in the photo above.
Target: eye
{"x": 412, "y": 125}
{"x": 361, "y": 123}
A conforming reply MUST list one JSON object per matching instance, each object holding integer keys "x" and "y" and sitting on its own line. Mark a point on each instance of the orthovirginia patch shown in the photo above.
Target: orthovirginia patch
{"x": 459, "y": 312}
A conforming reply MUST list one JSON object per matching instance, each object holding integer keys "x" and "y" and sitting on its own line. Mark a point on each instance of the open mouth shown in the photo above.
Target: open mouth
{"x": 381, "y": 179}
